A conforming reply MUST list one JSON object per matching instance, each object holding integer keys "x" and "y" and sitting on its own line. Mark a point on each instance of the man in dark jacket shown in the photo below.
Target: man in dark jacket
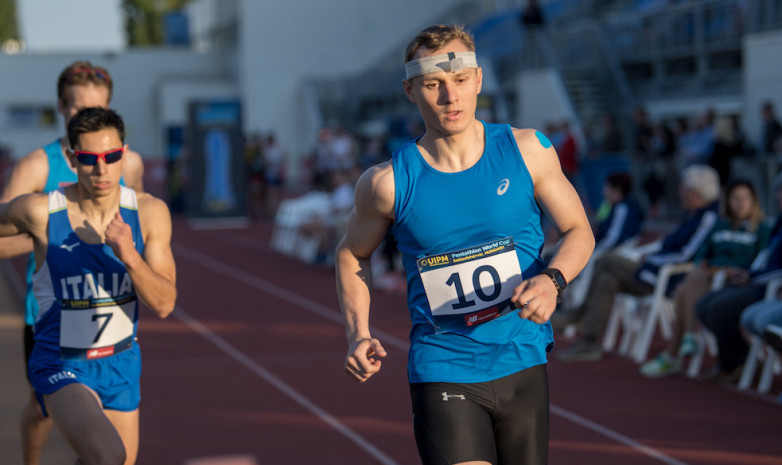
{"x": 615, "y": 273}
{"x": 622, "y": 222}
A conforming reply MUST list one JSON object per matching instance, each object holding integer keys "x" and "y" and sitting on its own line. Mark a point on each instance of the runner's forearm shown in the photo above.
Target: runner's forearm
{"x": 354, "y": 281}
{"x": 155, "y": 290}
{"x": 573, "y": 252}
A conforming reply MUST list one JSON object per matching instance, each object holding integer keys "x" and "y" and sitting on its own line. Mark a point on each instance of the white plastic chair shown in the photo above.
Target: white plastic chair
{"x": 760, "y": 351}
{"x": 577, "y": 290}
{"x": 623, "y": 318}
{"x": 291, "y": 214}
{"x": 624, "y": 315}
{"x": 625, "y": 306}
{"x": 707, "y": 343}
{"x": 659, "y": 311}
{"x": 637, "y": 317}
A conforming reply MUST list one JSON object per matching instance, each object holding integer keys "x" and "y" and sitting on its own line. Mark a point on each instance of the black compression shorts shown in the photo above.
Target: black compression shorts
{"x": 503, "y": 422}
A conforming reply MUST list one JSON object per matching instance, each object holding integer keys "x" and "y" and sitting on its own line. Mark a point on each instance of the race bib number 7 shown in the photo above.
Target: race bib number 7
{"x": 471, "y": 286}
{"x": 91, "y": 329}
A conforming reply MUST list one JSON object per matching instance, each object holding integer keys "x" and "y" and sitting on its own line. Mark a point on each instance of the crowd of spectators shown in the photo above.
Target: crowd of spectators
{"x": 735, "y": 253}
{"x": 658, "y": 150}
{"x": 614, "y": 272}
{"x": 333, "y": 166}
{"x": 266, "y": 164}
{"x": 739, "y": 236}
{"x": 739, "y": 244}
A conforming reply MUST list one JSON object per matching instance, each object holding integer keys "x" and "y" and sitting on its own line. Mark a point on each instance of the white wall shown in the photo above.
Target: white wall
{"x": 174, "y": 95}
{"x": 282, "y": 43}
{"x": 48, "y": 26}
{"x": 762, "y": 78}
{"x": 542, "y": 98}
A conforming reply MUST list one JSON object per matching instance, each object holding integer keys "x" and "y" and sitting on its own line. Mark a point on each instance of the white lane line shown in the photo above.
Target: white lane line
{"x": 283, "y": 387}
{"x": 277, "y": 291}
{"x": 620, "y": 438}
{"x": 322, "y": 310}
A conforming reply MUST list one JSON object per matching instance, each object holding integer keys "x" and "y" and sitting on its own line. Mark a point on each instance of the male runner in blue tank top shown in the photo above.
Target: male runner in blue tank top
{"x": 80, "y": 85}
{"x": 465, "y": 202}
{"x": 98, "y": 247}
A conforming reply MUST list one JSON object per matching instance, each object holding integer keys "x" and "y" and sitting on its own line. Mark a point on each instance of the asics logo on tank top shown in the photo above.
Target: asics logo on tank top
{"x": 504, "y": 184}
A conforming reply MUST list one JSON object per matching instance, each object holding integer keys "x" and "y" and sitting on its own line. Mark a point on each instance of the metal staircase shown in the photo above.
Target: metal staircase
{"x": 587, "y": 94}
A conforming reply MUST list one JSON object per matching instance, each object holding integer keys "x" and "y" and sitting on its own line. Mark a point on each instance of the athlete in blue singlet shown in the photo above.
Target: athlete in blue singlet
{"x": 465, "y": 202}
{"x": 79, "y": 85}
{"x": 85, "y": 365}
{"x": 60, "y": 174}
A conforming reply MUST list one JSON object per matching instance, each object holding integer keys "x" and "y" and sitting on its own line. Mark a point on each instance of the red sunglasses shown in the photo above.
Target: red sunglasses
{"x": 91, "y": 158}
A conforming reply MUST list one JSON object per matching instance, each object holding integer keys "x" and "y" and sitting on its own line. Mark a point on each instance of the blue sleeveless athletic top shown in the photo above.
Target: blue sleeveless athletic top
{"x": 87, "y": 300}
{"x": 60, "y": 175}
{"x": 464, "y": 238}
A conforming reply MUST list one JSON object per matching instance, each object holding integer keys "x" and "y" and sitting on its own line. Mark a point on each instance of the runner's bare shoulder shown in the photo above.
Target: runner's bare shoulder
{"x": 375, "y": 189}
{"x": 153, "y": 212}
{"x": 28, "y": 175}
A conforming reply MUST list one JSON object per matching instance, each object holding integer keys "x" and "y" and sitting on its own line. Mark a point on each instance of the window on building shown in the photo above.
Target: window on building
{"x": 31, "y": 116}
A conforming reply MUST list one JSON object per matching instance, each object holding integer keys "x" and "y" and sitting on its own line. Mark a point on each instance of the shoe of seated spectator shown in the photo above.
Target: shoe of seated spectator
{"x": 773, "y": 336}
{"x": 662, "y": 365}
{"x": 580, "y": 351}
{"x": 723, "y": 377}
{"x": 710, "y": 376}
{"x": 689, "y": 345}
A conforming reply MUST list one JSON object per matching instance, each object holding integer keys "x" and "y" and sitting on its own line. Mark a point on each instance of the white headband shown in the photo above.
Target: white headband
{"x": 451, "y": 61}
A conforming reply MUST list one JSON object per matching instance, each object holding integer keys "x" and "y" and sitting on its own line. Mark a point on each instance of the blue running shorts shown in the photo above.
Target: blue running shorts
{"x": 115, "y": 379}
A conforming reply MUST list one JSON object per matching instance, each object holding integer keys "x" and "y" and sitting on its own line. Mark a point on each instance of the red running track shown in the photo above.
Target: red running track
{"x": 250, "y": 365}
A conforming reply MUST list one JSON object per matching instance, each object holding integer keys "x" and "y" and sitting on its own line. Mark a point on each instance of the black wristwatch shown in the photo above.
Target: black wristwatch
{"x": 556, "y": 276}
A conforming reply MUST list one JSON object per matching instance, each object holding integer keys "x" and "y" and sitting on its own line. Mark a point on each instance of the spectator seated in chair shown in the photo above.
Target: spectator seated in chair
{"x": 614, "y": 273}
{"x": 721, "y": 311}
{"x": 329, "y": 226}
{"x": 738, "y": 237}
{"x": 622, "y": 221}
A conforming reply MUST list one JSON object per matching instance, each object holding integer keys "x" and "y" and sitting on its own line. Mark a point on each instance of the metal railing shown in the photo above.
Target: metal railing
{"x": 686, "y": 29}
{"x": 764, "y": 15}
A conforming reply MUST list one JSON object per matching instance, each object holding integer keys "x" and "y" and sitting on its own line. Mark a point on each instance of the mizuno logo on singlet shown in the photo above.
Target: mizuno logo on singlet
{"x": 69, "y": 247}
{"x": 446, "y": 396}
{"x": 504, "y": 184}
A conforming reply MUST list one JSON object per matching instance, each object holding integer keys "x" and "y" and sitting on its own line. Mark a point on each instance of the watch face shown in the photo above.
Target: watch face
{"x": 556, "y": 275}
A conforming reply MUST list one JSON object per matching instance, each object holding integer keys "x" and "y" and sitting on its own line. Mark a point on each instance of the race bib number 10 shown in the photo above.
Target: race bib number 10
{"x": 470, "y": 286}
{"x": 91, "y": 329}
